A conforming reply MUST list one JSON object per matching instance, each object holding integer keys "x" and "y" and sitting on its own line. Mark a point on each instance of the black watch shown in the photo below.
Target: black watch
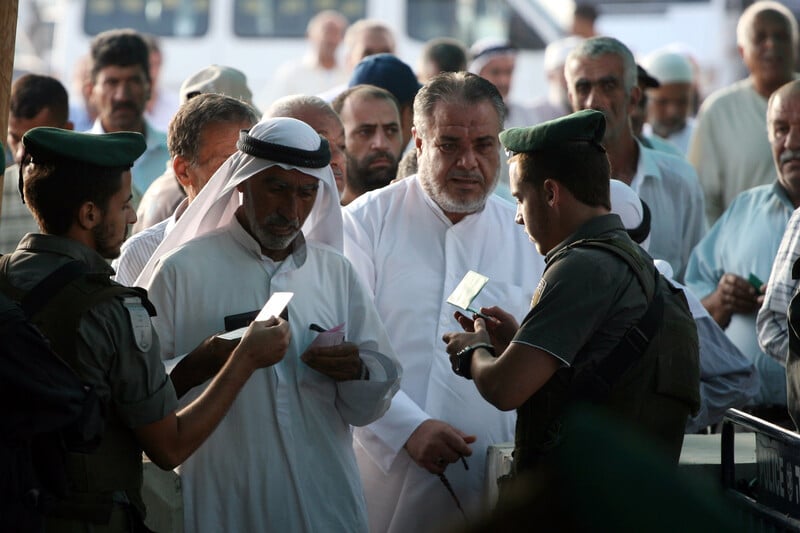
{"x": 463, "y": 366}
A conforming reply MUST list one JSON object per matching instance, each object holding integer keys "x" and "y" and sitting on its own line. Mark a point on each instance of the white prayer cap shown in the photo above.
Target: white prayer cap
{"x": 486, "y": 49}
{"x": 556, "y": 53}
{"x": 218, "y": 201}
{"x": 669, "y": 67}
{"x": 627, "y": 204}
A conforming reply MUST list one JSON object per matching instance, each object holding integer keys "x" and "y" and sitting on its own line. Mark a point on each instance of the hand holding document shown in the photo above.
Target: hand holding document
{"x": 466, "y": 291}
{"x": 274, "y": 307}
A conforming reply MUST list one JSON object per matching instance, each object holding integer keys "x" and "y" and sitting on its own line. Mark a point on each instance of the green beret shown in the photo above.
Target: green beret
{"x": 102, "y": 150}
{"x": 587, "y": 125}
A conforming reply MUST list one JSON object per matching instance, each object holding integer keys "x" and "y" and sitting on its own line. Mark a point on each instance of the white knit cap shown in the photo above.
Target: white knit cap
{"x": 627, "y": 204}
{"x": 669, "y": 67}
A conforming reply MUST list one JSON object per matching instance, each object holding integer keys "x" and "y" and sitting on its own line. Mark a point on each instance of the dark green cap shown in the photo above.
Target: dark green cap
{"x": 586, "y": 125}
{"x": 55, "y": 145}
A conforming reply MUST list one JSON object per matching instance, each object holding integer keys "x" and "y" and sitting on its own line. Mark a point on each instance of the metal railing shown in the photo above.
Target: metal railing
{"x": 770, "y": 502}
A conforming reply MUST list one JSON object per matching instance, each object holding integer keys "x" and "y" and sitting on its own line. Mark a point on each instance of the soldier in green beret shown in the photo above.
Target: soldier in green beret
{"x": 597, "y": 285}
{"x": 78, "y": 186}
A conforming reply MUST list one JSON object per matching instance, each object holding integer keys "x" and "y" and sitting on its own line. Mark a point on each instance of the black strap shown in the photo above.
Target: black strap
{"x": 597, "y": 383}
{"x": 43, "y": 292}
{"x": 796, "y": 269}
{"x": 633, "y": 344}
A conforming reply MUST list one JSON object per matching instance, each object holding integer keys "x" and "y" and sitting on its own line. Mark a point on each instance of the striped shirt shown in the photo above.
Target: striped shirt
{"x": 136, "y": 251}
{"x": 771, "y": 324}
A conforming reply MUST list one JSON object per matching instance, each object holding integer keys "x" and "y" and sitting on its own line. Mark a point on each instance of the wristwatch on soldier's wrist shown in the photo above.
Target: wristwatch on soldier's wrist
{"x": 464, "y": 358}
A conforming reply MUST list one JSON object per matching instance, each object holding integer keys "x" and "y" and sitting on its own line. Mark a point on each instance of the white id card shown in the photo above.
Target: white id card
{"x": 274, "y": 307}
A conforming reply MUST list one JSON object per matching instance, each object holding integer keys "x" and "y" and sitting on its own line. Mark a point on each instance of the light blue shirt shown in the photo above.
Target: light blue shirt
{"x": 744, "y": 241}
{"x": 669, "y": 186}
{"x": 151, "y": 163}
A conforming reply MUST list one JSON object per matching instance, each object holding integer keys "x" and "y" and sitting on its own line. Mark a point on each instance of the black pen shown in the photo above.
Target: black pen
{"x": 316, "y": 327}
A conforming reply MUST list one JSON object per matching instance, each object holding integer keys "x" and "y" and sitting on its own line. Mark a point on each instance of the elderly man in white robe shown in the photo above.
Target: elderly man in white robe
{"x": 282, "y": 460}
{"x": 413, "y": 241}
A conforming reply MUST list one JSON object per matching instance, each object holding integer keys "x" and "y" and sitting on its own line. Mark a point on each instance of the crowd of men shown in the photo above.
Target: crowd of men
{"x": 368, "y": 191}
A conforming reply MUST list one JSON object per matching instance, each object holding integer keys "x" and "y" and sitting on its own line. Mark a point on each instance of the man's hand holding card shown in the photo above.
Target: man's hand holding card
{"x": 328, "y": 354}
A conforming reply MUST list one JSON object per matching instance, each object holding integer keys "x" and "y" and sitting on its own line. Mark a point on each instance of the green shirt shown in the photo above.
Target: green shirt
{"x": 586, "y": 300}
{"x": 132, "y": 380}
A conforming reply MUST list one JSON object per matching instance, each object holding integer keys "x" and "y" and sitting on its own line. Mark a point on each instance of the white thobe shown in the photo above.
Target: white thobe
{"x": 412, "y": 257}
{"x": 282, "y": 458}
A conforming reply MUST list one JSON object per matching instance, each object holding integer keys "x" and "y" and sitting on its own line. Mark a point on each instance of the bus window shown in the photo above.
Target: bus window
{"x": 287, "y": 18}
{"x": 165, "y": 18}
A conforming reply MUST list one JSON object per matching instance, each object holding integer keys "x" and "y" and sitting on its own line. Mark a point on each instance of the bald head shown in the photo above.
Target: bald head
{"x": 327, "y": 28}
{"x": 318, "y": 114}
{"x": 367, "y": 37}
{"x": 783, "y": 130}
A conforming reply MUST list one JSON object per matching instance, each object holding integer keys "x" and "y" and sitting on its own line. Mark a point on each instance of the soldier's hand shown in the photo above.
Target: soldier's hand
{"x": 733, "y": 295}
{"x": 266, "y": 342}
{"x": 502, "y": 327}
{"x": 340, "y": 363}
{"x": 435, "y": 444}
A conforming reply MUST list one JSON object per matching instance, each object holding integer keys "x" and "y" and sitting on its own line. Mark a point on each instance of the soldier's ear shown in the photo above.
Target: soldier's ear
{"x": 89, "y": 215}
{"x": 551, "y": 190}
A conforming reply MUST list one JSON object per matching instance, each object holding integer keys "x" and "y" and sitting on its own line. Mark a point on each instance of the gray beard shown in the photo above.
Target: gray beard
{"x": 449, "y": 204}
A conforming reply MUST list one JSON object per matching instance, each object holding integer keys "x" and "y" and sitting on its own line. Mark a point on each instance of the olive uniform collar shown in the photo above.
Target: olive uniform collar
{"x": 592, "y": 228}
{"x": 54, "y": 244}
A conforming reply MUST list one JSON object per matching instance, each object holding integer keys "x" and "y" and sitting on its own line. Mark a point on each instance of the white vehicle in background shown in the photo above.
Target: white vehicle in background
{"x": 256, "y": 36}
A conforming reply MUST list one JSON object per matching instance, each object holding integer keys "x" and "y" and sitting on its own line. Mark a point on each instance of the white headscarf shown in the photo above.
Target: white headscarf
{"x": 218, "y": 201}
{"x": 627, "y": 204}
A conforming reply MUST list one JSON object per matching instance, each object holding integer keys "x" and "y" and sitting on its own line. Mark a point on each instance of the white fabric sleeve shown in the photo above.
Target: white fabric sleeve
{"x": 384, "y": 439}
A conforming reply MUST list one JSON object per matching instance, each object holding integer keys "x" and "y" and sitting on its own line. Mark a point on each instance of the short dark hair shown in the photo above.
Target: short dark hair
{"x": 455, "y": 87}
{"x": 55, "y": 191}
{"x": 121, "y": 48}
{"x": 364, "y": 90}
{"x": 586, "y": 12}
{"x": 450, "y": 55}
{"x": 582, "y": 167}
{"x": 31, "y": 93}
{"x": 183, "y": 136}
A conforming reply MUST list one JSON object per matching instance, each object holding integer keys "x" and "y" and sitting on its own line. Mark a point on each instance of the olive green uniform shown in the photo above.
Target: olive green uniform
{"x": 586, "y": 301}
{"x": 118, "y": 354}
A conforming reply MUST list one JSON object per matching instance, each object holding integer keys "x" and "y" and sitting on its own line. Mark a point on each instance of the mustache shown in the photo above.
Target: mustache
{"x": 124, "y": 105}
{"x": 280, "y": 220}
{"x": 789, "y": 155}
{"x": 476, "y": 176}
{"x": 379, "y": 155}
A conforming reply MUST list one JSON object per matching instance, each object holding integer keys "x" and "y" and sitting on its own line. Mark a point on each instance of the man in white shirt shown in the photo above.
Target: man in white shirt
{"x": 412, "y": 242}
{"x": 668, "y": 105}
{"x": 269, "y": 221}
{"x": 601, "y": 75}
{"x": 319, "y": 69}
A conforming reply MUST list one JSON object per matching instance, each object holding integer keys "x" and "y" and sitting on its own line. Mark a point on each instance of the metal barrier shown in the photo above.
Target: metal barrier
{"x": 770, "y": 502}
